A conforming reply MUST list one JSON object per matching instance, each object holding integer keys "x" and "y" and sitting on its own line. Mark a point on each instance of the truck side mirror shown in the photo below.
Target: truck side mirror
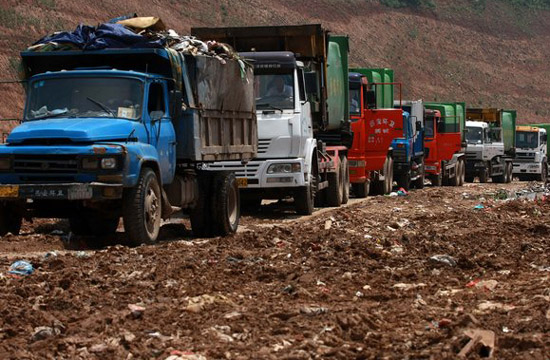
{"x": 544, "y": 138}
{"x": 418, "y": 125}
{"x": 370, "y": 99}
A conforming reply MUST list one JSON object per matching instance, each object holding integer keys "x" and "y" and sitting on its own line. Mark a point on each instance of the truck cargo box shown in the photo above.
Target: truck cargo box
{"x": 384, "y": 93}
{"x": 220, "y": 120}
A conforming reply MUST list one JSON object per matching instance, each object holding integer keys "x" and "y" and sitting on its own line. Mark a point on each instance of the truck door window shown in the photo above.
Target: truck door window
{"x": 155, "y": 106}
{"x": 301, "y": 83}
{"x": 355, "y": 100}
{"x": 474, "y": 135}
{"x": 429, "y": 126}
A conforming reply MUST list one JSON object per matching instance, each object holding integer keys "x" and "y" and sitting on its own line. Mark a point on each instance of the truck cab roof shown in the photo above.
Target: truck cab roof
{"x": 478, "y": 124}
{"x": 530, "y": 128}
{"x": 95, "y": 73}
{"x": 271, "y": 59}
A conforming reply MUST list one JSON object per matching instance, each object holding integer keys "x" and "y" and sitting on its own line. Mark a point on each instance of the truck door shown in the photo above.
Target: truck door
{"x": 161, "y": 131}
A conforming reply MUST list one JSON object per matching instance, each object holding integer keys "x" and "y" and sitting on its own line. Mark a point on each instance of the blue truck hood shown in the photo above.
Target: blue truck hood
{"x": 74, "y": 129}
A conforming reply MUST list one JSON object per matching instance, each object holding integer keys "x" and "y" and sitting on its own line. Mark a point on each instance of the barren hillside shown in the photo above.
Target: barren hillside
{"x": 483, "y": 52}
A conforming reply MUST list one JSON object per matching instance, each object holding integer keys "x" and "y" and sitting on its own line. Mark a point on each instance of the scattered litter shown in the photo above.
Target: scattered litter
{"x": 184, "y": 355}
{"x": 50, "y": 254}
{"x": 347, "y": 275}
{"x": 393, "y": 193}
{"x": 402, "y": 192}
{"x": 44, "y": 332}
{"x": 367, "y": 287}
{"x": 396, "y": 249}
{"x": 484, "y": 337}
{"x": 487, "y": 284}
{"x": 359, "y": 294}
{"x": 328, "y": 224}
{"x": 407, "y": 287}
{"x": 479, "y": 207}
{"x": 21, "y": 267}
{"x": 198, "y": 303}
{"x": 490, "y": 305}
{"x": 136, "y": 310}
{"x": 57, "y": 232}
{"x": 82, "y": 255}
{"x": 313, "y": 310}
{"x": 506, "y": 330}
{"x": 444, "y": 259}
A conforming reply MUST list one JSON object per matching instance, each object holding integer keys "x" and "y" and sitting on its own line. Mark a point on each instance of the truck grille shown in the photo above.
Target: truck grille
{"x": 42, "y": 164}
{"x": 400, "y": 154}
{"x": 472, "y": 156}
{"x": 263, "y": 145}
{"x": 241, "y": 171}
{"x": 525, "y": 156}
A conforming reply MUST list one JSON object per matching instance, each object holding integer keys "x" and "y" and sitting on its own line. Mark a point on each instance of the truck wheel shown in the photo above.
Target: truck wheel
{"x": 308, "y": 196}
{"x": 509, "y": 172}
{"x": 361, "y": 190}
{"x": 225, "y": 204}
{"x": 334, "y": 191}
{"x": 462, "y": 172}
{"x": 437, "y": 180}
{"x": 483, "y": 176}
{"x": 544, "y": 173}
{"x": 10, "y": 220}
{"x": 201, "y": 214}
{"x": 419, "y": 182}
{"x": 404, "y": 181}
{"x": 141, "y": 209}
{"x": 344, "y": 170}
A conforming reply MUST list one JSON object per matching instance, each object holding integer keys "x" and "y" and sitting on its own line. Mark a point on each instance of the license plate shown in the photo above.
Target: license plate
{"x": 9, "y": 191}
{"x": 44, "y": 193}
{"x": 242, "y": 182}
{"x": 81, "y": 192}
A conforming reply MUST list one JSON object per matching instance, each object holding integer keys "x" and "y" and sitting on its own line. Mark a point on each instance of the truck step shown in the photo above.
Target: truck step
{"x": 322, "y": 185}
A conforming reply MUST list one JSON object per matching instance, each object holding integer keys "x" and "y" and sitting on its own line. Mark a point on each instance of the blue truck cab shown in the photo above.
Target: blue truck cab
{"x": 408, "y": 152}
{"x": 127, "y": 133}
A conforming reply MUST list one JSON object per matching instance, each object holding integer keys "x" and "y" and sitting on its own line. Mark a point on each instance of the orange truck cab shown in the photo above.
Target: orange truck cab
{"x": 374, "y": 128}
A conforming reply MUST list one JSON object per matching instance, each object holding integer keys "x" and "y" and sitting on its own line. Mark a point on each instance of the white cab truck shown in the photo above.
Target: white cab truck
{"x": 490, "y": 138}
{"x": 304, "y": 132}
{"x": 531, "y": 160}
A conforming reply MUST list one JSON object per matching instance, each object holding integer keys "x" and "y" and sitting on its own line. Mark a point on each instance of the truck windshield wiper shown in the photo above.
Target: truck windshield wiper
{"x": 270, "y": 106}
{"x": 102, "y": 106}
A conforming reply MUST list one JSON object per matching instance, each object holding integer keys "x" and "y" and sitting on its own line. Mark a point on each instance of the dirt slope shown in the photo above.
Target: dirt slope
{"x": 484, "y": 52}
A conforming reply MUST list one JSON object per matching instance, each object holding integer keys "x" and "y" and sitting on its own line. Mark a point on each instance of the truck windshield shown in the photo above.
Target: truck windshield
{"x": 355, "y": 101}
{"x": 527, "y": 139}
{"x": 85, "y": 97}
{"x": 474, "y": 135}
{"x": 274, "y": 91}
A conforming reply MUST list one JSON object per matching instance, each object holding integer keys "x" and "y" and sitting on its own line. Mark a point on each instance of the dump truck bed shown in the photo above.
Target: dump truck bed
{"x": 453, "y": 115}
{"x": 384, "y": 93}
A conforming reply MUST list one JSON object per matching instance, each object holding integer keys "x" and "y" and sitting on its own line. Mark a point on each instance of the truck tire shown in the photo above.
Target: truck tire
{"x": 93, "y": 225}
{"x": 462, "y": 176}
{"x": 419, "y": 182}
{"x": 501, "y": 179}
{"x": 455, "y": 180}
{"x": 361, "y": 190}
{"x": 544, "y": 173}
{"x": 10, "y": 220}
{"x": 306, "y": 197}
{"x": 483, "y": 176}
{"x": 344, "y": 171}
{"x": 384, "y": 187}
{"x": 509, "y": 172}
{"x": 225, "y": 204}
{"x": 437, "y": 180}
{"x": 335, "y": 190}
{"x": 201, "y": 215}
{"x": 404, "y": 181}
{"x": 141, "y": 209}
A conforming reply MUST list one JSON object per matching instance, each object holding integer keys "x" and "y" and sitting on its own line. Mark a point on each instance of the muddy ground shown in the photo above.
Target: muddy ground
{"x": 349, "y": 283}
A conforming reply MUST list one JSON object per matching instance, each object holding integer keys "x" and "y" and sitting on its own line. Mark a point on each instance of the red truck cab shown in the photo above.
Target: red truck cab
{"x": 370, "y": 160}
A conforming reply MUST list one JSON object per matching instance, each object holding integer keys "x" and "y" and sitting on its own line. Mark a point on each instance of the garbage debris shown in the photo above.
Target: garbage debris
{"x": 479, "y": 207}
{"x": 184, "y": 355}
{"x": 136, "y": 310}
{"x": 407, "y": 287}
{"x": 444, "y": 259}
{"x": 485, "y": 339}
{"x": 313, "y": 310}
{"x": 44, "y": 332}
{"x": 21, "y": 267}
{"x": 402, "y": 192}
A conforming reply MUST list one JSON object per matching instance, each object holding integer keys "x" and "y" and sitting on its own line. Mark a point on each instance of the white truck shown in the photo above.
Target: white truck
{"x": 304, "y": 132}
{"x": 531, "y": 160}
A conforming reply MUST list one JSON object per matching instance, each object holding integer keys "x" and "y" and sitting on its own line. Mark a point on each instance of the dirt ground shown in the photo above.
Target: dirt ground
{"x": 358, "y": 282}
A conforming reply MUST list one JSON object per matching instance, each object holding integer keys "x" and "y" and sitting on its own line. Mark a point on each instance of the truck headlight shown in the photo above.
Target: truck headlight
{"x": 285, "y": 168}
{"x": 108, "y": 163}
{"x": 5, "y": 163}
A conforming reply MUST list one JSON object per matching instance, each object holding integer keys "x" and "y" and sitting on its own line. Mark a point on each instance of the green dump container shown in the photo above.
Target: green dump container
{"x": 384, "y": 93}
{"x": 337, "y": 81}
{"x": 453, "y": 115}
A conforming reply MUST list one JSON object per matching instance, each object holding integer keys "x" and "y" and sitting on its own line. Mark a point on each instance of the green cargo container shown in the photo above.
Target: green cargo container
{"x": 384, "y": 93}
{"x": 497, "y": 118}
{"x": 547, "y": 128}
{"x": 453, "y": 115}
{"x": 337, "y": 81}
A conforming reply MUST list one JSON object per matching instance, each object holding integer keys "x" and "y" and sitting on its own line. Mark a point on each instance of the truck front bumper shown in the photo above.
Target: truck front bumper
{"x": 527, "y": 168}
{"x": 255, "y": 175}
{"x": 68, "y": 191}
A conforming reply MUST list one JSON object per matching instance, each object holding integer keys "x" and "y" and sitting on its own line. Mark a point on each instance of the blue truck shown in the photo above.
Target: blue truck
{"x": 408, "y": 151}
{"x": 128, "y": 133}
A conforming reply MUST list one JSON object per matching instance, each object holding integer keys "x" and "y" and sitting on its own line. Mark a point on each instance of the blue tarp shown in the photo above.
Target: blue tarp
{"x": 114, "y": 36}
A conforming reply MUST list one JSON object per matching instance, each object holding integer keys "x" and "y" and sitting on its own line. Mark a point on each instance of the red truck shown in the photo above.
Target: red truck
{"x": 375, "y": 123}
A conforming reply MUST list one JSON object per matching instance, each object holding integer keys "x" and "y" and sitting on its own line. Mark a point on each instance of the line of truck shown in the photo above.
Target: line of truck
{"x": 143, "y": 133}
